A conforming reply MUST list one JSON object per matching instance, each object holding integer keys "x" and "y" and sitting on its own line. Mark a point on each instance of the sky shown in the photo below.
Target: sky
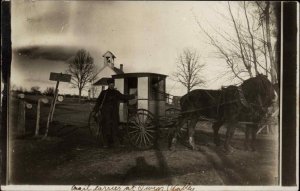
{"x": 144, "y": 36}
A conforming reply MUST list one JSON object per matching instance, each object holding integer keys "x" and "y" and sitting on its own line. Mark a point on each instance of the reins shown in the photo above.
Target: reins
{"x": 203, "y": 108}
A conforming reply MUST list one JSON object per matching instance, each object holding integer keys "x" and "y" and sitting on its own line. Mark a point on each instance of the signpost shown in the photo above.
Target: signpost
{"x": 58, "y": 77}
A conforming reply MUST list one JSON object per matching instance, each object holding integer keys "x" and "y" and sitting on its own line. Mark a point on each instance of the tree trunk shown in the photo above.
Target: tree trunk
{"x": 269, "y": 45}
{"x": 79, "y": 99}
{"x": 248, "y": 67}
{"x": 252, "y": 40}
{"x": 277, "y": 11}
{"x": 265, "y": 50}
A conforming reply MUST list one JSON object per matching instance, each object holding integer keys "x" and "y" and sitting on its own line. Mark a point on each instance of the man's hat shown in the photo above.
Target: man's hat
{"x": 110, "y": 81}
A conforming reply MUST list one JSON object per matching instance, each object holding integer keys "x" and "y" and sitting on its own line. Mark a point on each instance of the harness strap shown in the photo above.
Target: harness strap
{"x": 208, "y": 107}
{"x": 210, "y": 95}
{"x": 242, "y": 97}
{"x": 220, "y": 101}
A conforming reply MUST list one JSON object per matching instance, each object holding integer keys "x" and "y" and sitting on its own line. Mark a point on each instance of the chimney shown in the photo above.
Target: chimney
{"x": 121, "y": 67}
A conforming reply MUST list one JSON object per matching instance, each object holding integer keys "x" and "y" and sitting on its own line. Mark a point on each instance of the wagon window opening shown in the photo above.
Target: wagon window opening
{"x": 157, "y": 88}
{"x": 131, "y": 88}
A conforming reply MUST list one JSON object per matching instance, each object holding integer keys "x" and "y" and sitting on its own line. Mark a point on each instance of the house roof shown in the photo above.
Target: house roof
{"x": 101, "y": 82}
{"x": 117, "y": 70}
{"x": 114, "y": 69}
{"x": 109, "y": 52}
{"x": 138, "y": 74}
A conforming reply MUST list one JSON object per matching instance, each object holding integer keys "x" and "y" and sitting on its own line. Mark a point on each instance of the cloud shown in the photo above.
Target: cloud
{"x": 36, "y": 79}
{"x": 54, "y": 53}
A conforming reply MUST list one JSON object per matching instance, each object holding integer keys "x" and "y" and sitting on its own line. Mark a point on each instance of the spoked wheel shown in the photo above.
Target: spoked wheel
{"x": 94, "y": 127}
{"x": 142, "y": 129}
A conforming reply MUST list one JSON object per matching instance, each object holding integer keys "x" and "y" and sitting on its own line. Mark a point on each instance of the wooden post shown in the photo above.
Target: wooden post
{"x": 21, "y": 117}
{"x": 54, "y": 103}
{"x": 55, "y": 77}
{"x": 51, "y": 110}
{"x": 38, "y": 111}
{"x": 37, "y": 126}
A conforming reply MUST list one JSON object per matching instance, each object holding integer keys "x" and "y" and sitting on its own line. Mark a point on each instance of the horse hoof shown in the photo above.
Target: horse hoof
{"x": 192, "y": 147}
{"x": 198, "y": 148}
{"x": 217, "y": 143}
{"x": 172, "y": 148}
{"x": 228, "y": 150}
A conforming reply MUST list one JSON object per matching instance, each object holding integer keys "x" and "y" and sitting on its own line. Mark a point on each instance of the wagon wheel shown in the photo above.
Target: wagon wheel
{"x": 174, "y": 113}
{"x": 94, "y": 127}
{"x": 142, "y": 129}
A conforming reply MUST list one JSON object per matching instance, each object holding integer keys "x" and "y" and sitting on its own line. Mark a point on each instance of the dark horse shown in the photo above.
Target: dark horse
{"x": 248, "y": 102}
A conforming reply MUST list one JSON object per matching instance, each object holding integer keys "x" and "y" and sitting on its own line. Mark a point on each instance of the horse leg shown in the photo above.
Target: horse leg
{"x": 254, "y": 129}
{"x": 226, "y": 143}
{"x": 178, "y": 125}
{"x": 229, "y": 135}
{"x": 216, "y": 126}
{"x": 247, "y": 133}
{"x": 192, "y": 126}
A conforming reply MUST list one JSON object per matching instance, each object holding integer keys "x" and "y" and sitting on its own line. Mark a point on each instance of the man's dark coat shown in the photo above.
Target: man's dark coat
{"x": 108, "y": 104}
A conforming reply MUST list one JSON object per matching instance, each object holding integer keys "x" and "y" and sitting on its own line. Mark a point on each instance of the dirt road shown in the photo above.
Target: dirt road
{"x": 71, "y": 156}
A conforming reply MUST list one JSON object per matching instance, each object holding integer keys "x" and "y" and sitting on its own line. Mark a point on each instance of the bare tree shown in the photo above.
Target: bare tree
{"x": 267, "y": 16}
{"x": 21, "y": 89}
{"x": 18, "y": 89}
{"x": 49, "y": 91}
{"x": 14, "y": 87}
{"x": 35, "y": 90}
{"x": 245, "y": 45}
{"x": 82, "y": 69}
{"x": 188, "y": 69}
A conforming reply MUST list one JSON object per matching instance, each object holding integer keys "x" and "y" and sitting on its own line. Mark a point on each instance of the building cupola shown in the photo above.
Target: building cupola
{"x": 109, "y": 58}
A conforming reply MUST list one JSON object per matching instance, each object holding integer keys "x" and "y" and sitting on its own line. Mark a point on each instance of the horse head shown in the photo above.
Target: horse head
{"x": 260, "y": 93}
{"x": 267, "y": 89}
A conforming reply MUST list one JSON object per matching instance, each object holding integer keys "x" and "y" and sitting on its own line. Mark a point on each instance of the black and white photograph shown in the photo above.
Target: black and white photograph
{"x": 150, "y": 95}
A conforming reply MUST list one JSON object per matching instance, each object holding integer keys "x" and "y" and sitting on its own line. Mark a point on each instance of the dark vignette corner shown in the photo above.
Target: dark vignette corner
{"x": 289, "y": 68}
{"x": 5, "y": 69}
{"x": 289, "y": 89}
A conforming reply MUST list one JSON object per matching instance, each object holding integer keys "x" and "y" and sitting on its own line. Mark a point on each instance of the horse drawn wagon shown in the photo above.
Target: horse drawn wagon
{"x": 143, "y": 117}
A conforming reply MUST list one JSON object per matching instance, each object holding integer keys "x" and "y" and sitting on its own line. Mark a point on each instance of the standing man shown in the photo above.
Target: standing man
{"x": 108, "y": 105}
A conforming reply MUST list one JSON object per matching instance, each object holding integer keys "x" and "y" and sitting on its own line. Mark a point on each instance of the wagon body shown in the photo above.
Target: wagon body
{"x": 150, "y": 89}
{"x": 142, "y": 118}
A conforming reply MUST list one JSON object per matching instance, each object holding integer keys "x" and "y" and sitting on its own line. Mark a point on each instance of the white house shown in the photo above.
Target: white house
{"x": 105, "y": 73}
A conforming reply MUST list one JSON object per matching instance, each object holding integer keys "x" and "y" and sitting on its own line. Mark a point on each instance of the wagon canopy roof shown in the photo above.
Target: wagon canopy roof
{"x": 138, "y": 74}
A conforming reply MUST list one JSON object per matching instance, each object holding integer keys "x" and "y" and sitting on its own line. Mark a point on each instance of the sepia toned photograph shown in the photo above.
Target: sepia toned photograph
{"x": 165, "y": 93}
